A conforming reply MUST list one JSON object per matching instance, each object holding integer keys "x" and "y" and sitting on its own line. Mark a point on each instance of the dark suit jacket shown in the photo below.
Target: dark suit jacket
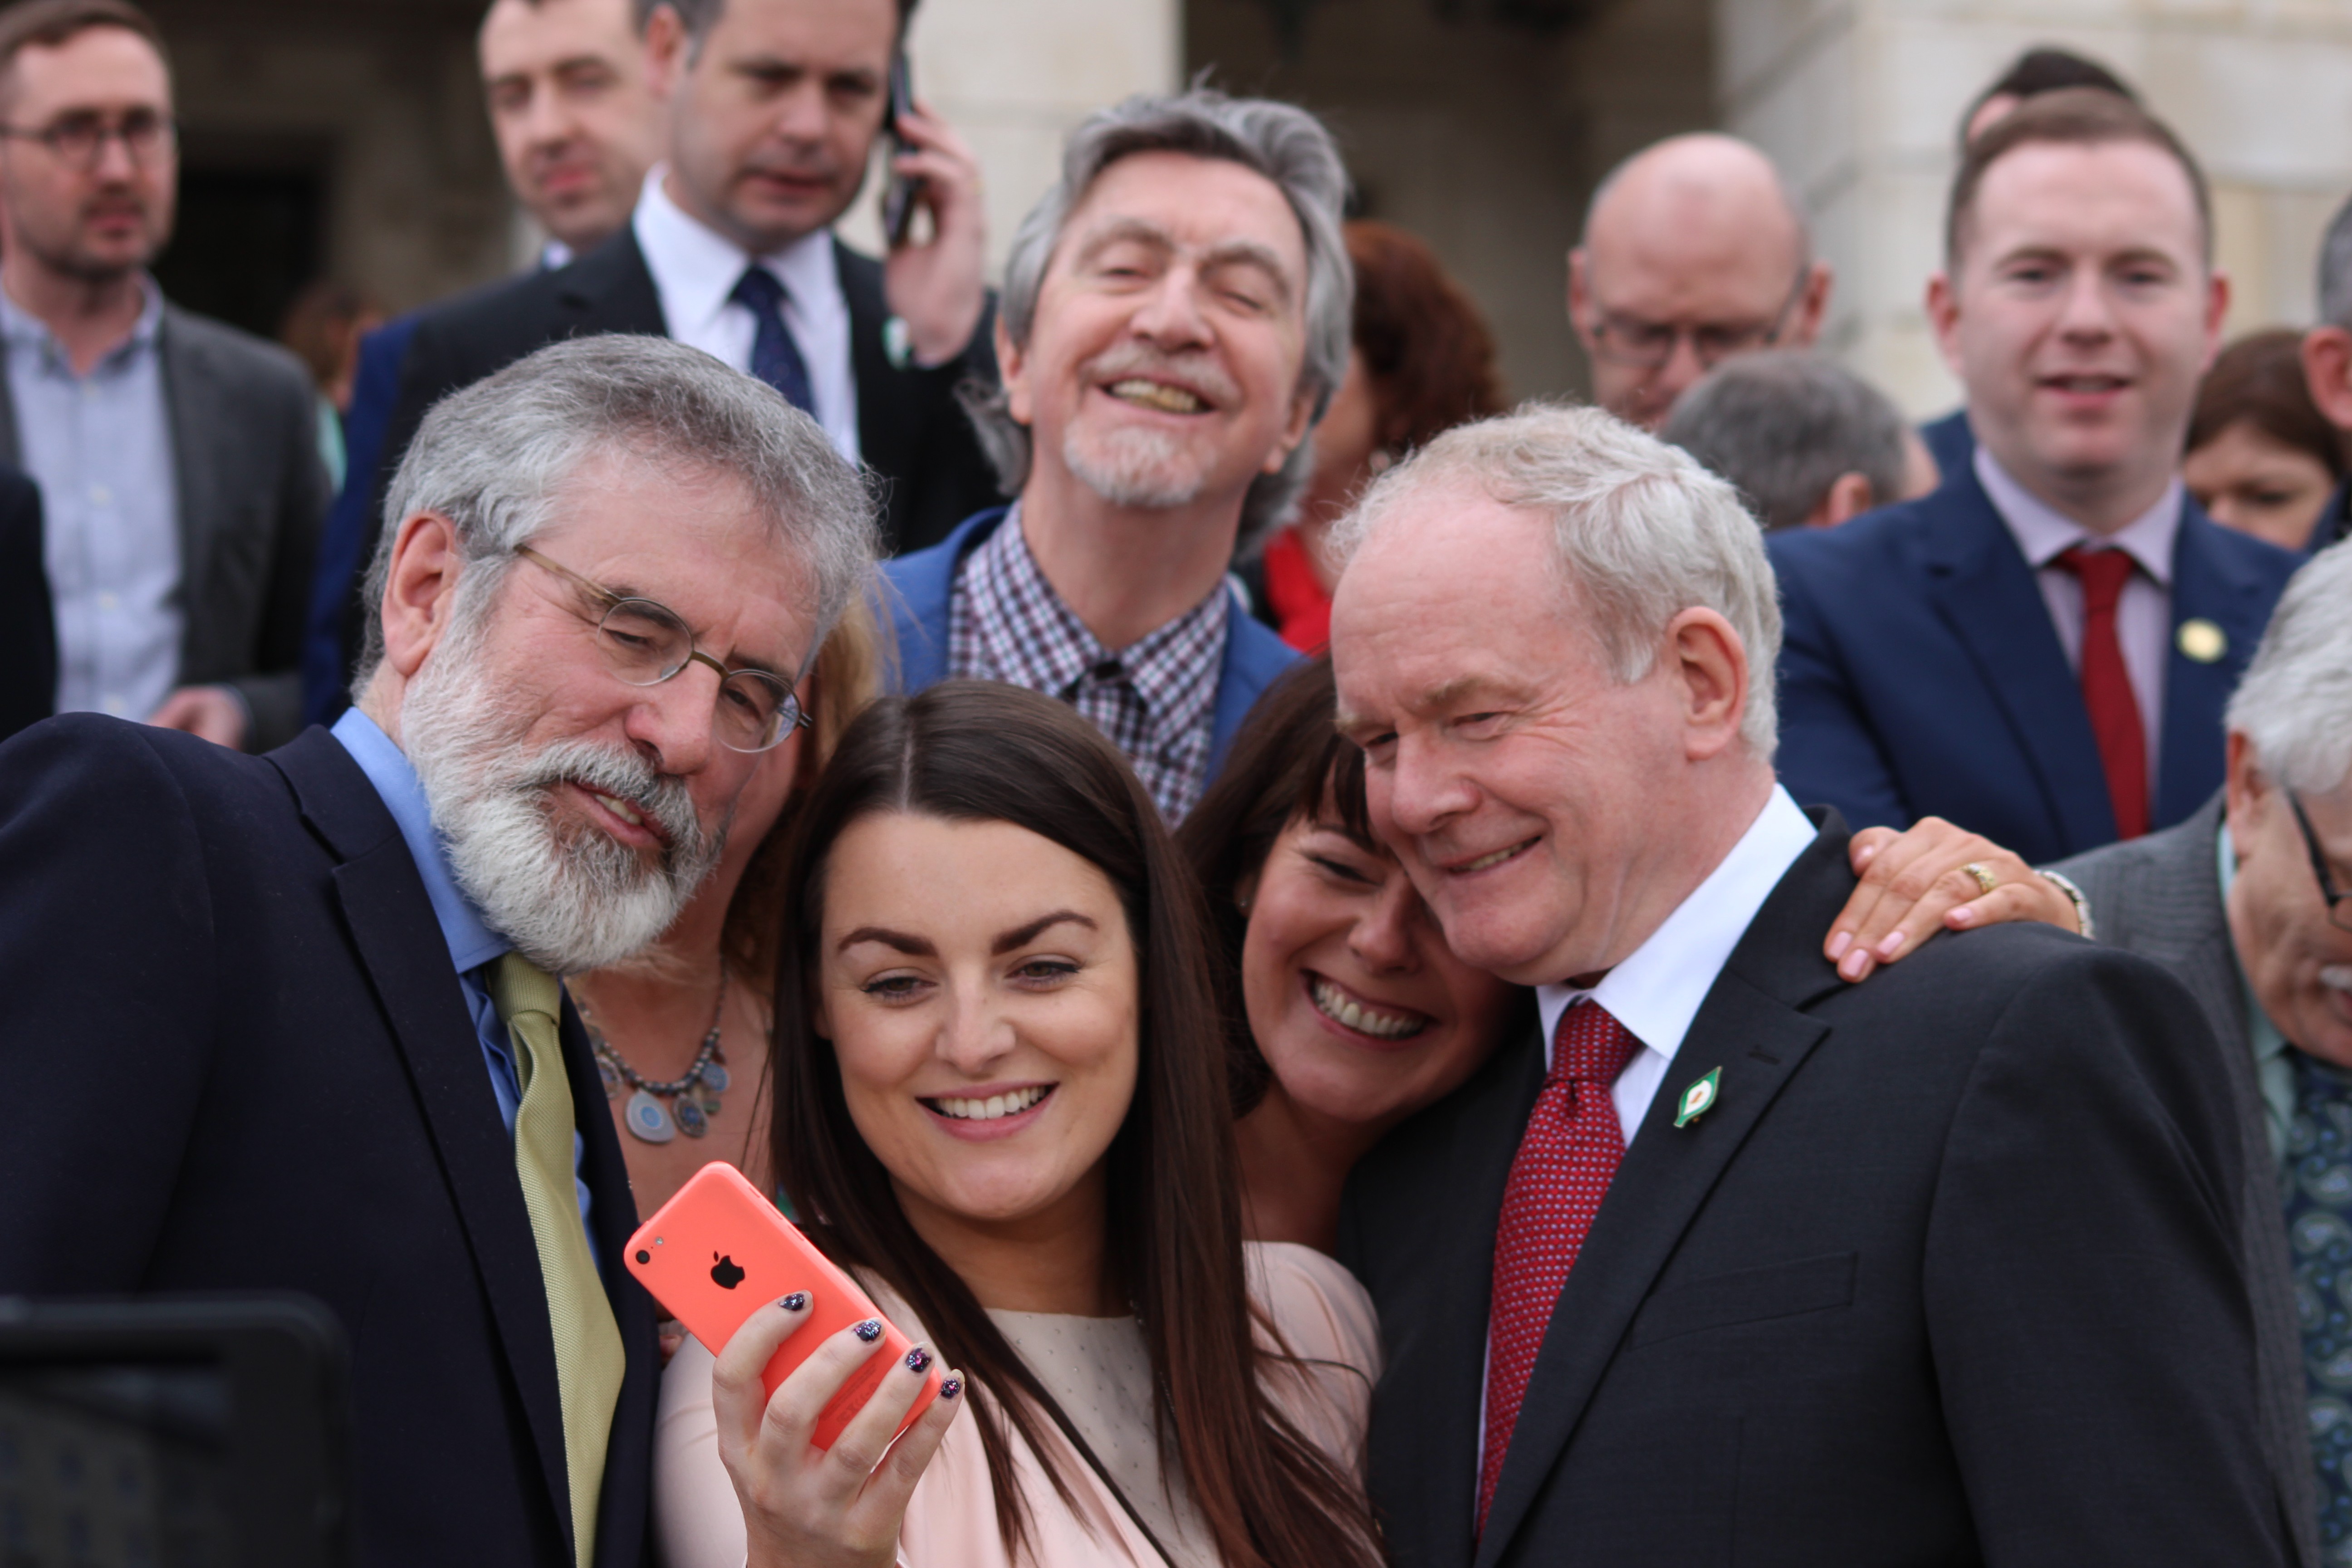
{"x": 1948, "y": 1274}
{"x": 1951, "y": 441}
{"x": 923, "y": 584}
{"x": 2160, "y": 897}
{"x": 375, "y": 387}
{"x": 29, "y": 634}
{"x": 1920, "y": 675}
{"x": 245, "y": 454}
{"x": 276, "y": 1085}
{"x": 911, "y": 430}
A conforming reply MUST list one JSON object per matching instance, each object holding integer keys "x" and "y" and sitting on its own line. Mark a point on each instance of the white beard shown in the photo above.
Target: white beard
{"x": 1153, "y": 470}
{"x": 568, "y": 901}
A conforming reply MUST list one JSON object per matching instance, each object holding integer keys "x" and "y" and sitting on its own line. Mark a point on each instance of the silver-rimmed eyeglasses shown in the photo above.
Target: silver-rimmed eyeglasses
{"x": 79, "y": 139}
{"x": 644, "y": 643}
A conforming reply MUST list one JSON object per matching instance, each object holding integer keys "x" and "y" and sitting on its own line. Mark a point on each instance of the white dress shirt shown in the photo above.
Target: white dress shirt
{"x": 1656, "y": 990}
{"x": 2144, "y": 613}
{"x": 694, "y": 271}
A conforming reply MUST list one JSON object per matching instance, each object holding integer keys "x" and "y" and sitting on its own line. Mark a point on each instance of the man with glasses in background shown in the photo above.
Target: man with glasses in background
{"x": 1692, "y": 253}
{"x": 177, "y": 458}
{"x": 2249, "y": 902}
{"x": 311, "y": 1000}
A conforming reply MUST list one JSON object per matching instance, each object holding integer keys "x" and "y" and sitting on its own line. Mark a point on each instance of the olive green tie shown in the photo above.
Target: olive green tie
{"x": 589, "y": 1358}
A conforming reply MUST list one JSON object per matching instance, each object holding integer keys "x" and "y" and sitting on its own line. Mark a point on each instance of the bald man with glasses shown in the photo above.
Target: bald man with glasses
{"x": 1692, "y": 253}
{"x": 177, "y": 458}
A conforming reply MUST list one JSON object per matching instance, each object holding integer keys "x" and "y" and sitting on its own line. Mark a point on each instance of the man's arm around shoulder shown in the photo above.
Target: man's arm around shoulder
{"x": 2089, "y": 1321}
{"x": 108, "y": 965}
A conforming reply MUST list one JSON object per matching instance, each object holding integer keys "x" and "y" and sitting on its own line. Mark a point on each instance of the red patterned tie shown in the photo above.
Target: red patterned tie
{"x": 2107, "y": 685}
{"x": 1566, "y": 1159}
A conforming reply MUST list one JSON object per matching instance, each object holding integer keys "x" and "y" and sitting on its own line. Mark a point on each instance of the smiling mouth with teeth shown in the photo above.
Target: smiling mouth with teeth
{"x": 1156, "y": 394}
{"x": 1496, "y": 858}
{"x": 620, "y": 809}
{"x": 1378, "y": 1022}
{"x": 994, "y": 1108}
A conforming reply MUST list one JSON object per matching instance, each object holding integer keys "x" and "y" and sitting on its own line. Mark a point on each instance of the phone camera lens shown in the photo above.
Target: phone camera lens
{"x": 643, "y": 1257}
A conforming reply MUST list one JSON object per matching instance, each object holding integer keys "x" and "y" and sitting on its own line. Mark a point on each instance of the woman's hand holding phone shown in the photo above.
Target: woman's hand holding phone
{"x": 808, "y": 1506}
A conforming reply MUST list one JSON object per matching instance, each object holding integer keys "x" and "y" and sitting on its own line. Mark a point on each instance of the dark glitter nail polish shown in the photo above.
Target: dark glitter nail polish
{"x": 869, "y": 1331}
{"x": 918, "y": 1359}
{"x": 794, "y": 1302}
{"x": 950, "y": 1388}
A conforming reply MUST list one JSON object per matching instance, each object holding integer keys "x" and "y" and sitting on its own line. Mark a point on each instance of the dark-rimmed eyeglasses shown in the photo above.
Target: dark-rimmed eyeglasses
{"x": 2339, "y": 903}
{"x": 1649, "y": 345}
{"x": 644, "y": 643}
{"x": 79, "y": 139}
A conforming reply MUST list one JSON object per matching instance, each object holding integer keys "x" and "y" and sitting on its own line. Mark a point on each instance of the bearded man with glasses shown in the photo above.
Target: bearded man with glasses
{"x": 313, "y": 997}
{"x": 1693, "y": 252}
{"x": 2246, "y": 902}
{"x": 177, "y": 458}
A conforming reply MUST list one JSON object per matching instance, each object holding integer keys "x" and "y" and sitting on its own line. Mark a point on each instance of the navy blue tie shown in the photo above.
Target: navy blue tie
{"x": 775, "y": 358}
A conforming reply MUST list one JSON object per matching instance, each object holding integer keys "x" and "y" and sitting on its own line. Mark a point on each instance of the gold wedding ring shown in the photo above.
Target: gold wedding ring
{"x": 1985, "y": 879}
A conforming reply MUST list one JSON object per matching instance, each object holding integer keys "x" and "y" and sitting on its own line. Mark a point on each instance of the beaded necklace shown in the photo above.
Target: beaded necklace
{"x": 693, "y": 1098}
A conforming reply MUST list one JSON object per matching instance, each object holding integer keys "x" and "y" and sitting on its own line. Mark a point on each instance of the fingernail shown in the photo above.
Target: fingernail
{"x": 1853, "y": 965}
{"x": 950, "y": 1388}
{"x": 1892, "y": 945}
{"x": 1839, "y": 943}
{"x": 795, "y": 1302}
{"x": 1865, "y": 855}
{"x": 918, "y": 1358}
{"x": 869, "y": 1331}
{"x": 1961, "y": 915}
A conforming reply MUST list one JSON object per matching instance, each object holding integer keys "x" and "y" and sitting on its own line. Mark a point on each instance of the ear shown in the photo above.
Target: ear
{"x": 1944, "y": 319}
{"x": 665, "y": 50}
{"x": 1849, "y": 495}
{"x": 1302, "y": 420}
{"x": 2249, "y": 798}
{"x": 1813, "y": 308}
{"x": 1580, "y": 296}
{"x": 1012, "y": 370}
{"x": 2328, "y": 372}
{"x": 1711, "y": 668}
{"x": 420, "y": 590}
{"x": 2217, "y": 309}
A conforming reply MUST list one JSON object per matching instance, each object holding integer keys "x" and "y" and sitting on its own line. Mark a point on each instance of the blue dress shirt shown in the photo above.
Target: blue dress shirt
{"x": 472, "y": 944}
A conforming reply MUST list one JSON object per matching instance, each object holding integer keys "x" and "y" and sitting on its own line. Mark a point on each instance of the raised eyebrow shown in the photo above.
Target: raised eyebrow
{"x": 1022, "y": 936}
{"x": 897, "y": 941}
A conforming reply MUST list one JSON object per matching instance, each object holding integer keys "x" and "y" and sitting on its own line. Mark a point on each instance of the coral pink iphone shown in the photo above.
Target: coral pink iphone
{"x": 719, "y": 1251}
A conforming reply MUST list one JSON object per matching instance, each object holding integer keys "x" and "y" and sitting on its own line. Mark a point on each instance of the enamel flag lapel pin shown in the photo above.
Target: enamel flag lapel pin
{"x": 1698, "y": 1099}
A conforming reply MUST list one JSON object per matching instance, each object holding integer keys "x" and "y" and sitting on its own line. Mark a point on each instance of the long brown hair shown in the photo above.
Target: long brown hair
{"x": 978, "y": 751}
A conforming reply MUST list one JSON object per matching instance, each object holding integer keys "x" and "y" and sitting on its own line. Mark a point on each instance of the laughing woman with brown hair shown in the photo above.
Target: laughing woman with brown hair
{"x": 1000, "y": 1082}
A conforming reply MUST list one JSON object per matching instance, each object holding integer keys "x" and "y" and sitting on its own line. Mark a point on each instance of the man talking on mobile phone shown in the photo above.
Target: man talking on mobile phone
{"x": 772, "y": 109}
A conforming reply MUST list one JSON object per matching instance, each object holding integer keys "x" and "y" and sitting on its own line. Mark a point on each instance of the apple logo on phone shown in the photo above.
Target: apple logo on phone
{"x": 726, "y": 1273}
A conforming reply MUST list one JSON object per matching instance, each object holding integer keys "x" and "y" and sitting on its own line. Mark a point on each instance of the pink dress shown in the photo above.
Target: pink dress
{"x": 1094, "y": 1369}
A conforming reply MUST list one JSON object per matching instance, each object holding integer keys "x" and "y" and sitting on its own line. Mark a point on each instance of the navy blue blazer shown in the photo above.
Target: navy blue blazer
{"x": 921, "y": 584}
{"x": 375, "y": 388}
{"x": 1951, "y": 441}
{"x": 1920, "y": 675}
{"x": 230, "y": 967}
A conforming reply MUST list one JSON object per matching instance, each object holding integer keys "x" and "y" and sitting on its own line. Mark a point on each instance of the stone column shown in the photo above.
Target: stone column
{"x": 1859, "y": 101}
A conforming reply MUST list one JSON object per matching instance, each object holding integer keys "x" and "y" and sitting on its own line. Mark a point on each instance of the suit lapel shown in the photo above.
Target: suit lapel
{"x": 190, "y": 400}
{"x": 885, "y": 427}
{"x": 610, "y": 290}
{"x": 2212, "y": 583}
{"x": 1986, "y": 593}
{"x": 10, "y": 448}
{"x": 399, "y": 943}
{"x": 1750, "y": 1027}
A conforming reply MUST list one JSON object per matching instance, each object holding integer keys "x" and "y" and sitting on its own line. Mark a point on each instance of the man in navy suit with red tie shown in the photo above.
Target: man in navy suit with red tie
{"x": 2040, "y": 651}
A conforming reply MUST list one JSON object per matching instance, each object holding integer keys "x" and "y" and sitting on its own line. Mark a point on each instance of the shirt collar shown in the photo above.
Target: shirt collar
{"x": 471, "y": 943}
{"x": 2044, "y": 533}
{"x": 20, "y": 326}
{"x": 695, "y": 267}
{"x": 1656, "y": 991}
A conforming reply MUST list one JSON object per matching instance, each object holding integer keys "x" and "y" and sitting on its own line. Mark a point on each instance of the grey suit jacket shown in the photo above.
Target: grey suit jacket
{"x": 253, "y": 494}
{"x": 2160, "y": 897}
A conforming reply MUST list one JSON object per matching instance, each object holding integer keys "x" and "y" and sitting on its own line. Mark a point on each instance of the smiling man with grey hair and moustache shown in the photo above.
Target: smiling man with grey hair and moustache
{"x": 1175, "y": 319}
{"x": 315, "y": 992}
{"x": 1733, "y": 1260}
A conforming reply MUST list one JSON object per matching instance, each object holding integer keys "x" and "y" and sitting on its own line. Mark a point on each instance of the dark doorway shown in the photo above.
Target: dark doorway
{"x": 245, "y": 243}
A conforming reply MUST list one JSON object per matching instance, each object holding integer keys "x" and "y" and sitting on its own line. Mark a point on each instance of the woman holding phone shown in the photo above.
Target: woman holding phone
{"x": 1000, "y": 1082}
{"x": 1354, "y": 1014}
